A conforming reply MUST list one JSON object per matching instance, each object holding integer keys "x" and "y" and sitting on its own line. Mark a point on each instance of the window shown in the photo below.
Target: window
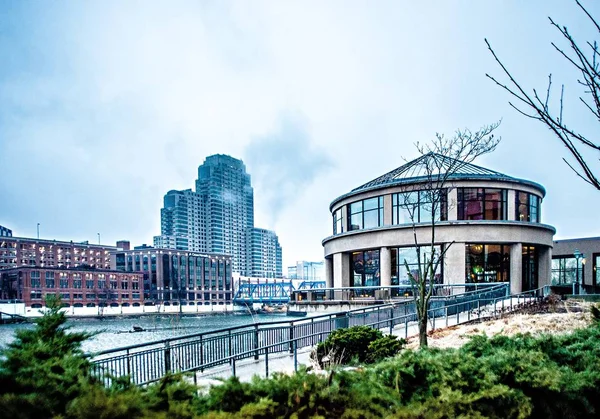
{"x": 35, "y": 279}
{"x": 527, "y": 207}
{"x": 487, "y": 263}
{"x": 337, "y": 222}
{"x": 481, "y": 204}
{"x": 565, "y": 270}
{"x": 77, "y": 283}
{"x": 50, "y": 280}
{"x": 367, "y": 213}
{"x": 419, "y": 206}
{"x": 89, "y": 283}
{"x": 124, "y": 285}
{"x": 400, "y": 274}
{"x": 64, "y": 282}
{"x": 365, "y": 269}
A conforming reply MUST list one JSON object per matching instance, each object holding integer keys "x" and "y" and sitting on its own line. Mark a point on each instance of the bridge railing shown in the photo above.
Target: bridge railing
{"x": 149, "y": 362}
{"x": 384, "y": 293}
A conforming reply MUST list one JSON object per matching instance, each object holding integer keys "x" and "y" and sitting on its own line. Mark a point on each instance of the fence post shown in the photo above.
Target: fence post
{"x": 291, "y": 337}
{"x": 256, "y": 342}
{"x": 201, "y": 355}
{"x": 128, "y": 364}
{"x": 295, "y": 343}
{"x": 391, "y": 319}
{"x": 229, "y": 343}
{"x": 266, "y": 361}
{"x": 167, "y": 357}
{"x": 232, "y": 362}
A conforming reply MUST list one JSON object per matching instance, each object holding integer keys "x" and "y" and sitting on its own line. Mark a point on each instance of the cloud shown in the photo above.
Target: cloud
{"x": 283, "y": 163}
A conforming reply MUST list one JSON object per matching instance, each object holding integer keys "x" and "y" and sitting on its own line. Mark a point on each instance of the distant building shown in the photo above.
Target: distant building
{"x": 226, "y": 192}
{"x": 307, "y": 271}
{"x": 182, "y": 222}
{"x": 76, "y": 287}
{"x": 217, "y": 218}
{"x": 19, "y": 251}
{"x": 5, "y": 232}
{"x": 123, "y": 244}
{"x": 179, "y": 277}
{"x": 266, "y": 254}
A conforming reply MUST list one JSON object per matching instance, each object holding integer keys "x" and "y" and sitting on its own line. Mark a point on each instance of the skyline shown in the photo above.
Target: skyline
{"x": 106, "y": 106}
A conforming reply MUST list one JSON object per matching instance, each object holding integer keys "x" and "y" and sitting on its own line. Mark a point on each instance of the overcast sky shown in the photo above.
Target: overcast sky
{"x": 107, "y": 105}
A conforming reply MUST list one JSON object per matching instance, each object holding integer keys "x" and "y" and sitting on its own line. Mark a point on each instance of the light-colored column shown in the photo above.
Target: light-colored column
{"x": 516, "y": 268}
{"x": 341, "y": 272}
{"x": 328, "y": 272}
{"x": 511, "y": 205}
{"x": 454, "y": 267}
{"x": 544, "y": 266}
{"x": 385, "y": 266}
{"x": 452, "y": 204}
{"x": 387, "y": 210}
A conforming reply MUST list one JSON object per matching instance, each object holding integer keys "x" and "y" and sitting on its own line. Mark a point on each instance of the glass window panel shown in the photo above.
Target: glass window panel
{"x": 371, "y": 219}
{"x": 371, "y": 203}
{"x": 356, "y": 221}
{"x": 356, "y": 207}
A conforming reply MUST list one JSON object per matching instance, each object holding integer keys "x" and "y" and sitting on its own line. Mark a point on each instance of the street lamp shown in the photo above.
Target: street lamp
{"x": 578, "y": 255}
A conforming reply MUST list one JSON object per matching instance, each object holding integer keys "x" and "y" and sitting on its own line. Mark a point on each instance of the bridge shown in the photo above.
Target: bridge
{"x": 271, "y": 293}
{"x": 229, "y": 347}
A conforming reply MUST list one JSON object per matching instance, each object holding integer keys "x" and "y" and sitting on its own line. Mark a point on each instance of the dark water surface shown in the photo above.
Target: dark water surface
{"x": 110, "y": 330}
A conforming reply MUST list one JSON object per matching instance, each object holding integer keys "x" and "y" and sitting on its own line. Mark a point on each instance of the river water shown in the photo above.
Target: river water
{"x": 114, "y": 332}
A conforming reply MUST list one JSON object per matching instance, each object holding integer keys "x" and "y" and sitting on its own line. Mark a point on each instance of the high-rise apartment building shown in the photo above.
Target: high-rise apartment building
{"x": 228, "y": 198}
{"x": 181, "y": 222}
{"x": 219, "y": 218}
{"x": 5, "y": 232}
{"x": 266, "y": 254}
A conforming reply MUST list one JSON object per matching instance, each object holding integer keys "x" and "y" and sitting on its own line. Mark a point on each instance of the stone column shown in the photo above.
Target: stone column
{"x": 544, "y": 266}
{"x": 387, "y": 210}
{"x": 329, "y": 272}
{"x": 511, "y": 210}
{"x": 516, "y": 268}
{"x": 454, "y": 267}
{"x": 341, "y": 273}
{"x": 452, "y": 204}
{"x": 385, "y": 271}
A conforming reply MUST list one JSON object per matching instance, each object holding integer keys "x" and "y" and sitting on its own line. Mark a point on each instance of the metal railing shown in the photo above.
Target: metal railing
{"x": 149, "y": 362}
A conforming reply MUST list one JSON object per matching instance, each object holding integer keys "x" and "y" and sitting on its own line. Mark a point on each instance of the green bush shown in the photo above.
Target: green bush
{"x": 384, "y": 347}
{"x": 343, "y": 346}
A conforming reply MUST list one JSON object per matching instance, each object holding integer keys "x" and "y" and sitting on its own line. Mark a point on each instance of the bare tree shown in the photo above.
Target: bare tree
{"x": 426, "y": 203}
{"x": 585, "y": 59}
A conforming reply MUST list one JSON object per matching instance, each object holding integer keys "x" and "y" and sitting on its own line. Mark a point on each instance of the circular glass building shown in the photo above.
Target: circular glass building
{"x": 487, "y": 226}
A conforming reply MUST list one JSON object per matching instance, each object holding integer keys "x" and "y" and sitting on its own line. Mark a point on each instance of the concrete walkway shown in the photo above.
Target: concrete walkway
{"x": 283, "y": 362}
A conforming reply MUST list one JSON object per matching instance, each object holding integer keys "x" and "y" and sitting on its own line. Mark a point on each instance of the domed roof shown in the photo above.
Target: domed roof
{"x": 434, "y": 165}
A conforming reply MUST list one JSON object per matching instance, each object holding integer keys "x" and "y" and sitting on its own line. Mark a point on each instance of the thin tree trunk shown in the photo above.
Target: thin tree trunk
{"x": 423, "y": 330}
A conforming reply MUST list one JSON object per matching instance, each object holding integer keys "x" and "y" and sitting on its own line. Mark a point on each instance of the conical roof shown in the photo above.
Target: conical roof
{"x": 420, "y": 167}
{"x": 417, "y": 171}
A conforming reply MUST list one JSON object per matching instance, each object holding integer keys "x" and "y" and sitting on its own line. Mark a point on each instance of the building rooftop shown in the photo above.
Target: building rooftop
{"x": 434, "y": 164}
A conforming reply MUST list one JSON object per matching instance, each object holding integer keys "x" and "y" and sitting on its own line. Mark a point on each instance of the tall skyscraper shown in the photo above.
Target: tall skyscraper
{"x": 219, "y": 218}
{"x": 182, "y": 222}
{"x": 266, "y": 254}
{"x": 228, "y": 199}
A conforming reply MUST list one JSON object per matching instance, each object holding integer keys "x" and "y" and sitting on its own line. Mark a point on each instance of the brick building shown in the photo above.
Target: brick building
{"x": 173, "y": 277}
{"x": 19, "y": 251}
{"x": 76, "y": 287}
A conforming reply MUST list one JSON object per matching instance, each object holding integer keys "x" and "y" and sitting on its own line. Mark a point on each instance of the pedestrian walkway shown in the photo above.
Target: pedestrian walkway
{"x": 285, "y": 363}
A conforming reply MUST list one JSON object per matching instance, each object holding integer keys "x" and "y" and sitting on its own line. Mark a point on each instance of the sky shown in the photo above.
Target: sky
{"x": 107, "y": 105}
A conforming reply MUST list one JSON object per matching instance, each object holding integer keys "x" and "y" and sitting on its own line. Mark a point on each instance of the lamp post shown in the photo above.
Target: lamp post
{"x": 38, "y": 231}
{"x": 578, "y": 255}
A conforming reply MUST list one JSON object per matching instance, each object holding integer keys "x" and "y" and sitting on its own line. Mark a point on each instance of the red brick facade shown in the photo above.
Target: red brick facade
{"x": 18, "y": 251}
{"x": 76, "y": 287}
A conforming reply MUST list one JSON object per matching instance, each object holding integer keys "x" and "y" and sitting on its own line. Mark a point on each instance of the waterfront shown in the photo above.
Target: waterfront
{"x": 115, "y": 332}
